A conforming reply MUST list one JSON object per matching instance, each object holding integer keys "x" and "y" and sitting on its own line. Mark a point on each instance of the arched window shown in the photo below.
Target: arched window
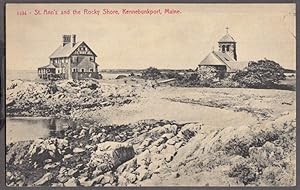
{"x": 227, "y": 47}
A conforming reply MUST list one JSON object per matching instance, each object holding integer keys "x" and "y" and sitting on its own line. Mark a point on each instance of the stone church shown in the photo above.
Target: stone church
{"x": 225, "y": 59}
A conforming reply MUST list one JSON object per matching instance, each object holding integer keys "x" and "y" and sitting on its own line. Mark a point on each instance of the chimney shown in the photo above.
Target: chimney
{"x": 73, "y": 39}
{"x": 66, "y": 39}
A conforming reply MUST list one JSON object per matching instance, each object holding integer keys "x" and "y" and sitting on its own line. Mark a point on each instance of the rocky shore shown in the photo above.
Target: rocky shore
{"x": 152, "y": 152}
{"x": 60, "y": 99}
{"x": 164, "y": 136}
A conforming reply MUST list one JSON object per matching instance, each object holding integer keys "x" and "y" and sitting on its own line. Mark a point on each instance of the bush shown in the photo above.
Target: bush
{"x": 151, "y": 73}
{"x": 261, "y": 74}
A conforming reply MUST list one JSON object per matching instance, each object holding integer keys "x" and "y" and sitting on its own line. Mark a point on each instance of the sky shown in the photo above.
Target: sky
{"x": 166, "y": 41}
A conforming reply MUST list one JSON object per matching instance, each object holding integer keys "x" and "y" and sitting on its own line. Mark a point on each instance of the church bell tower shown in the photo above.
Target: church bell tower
{"x": 228, "y": 45}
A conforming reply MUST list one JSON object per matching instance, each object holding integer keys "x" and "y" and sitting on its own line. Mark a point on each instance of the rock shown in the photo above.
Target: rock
{"x": 62, "y": 178}
{"x": 168, "y": 157}
{"x": 62, "y": 170}
{"x": 48, "y": 161}
{"x": 57, "y": 185}
{"x": 175, "y": 175}
{"x": 143, "y": 158}
{"x": 171, "y": 142}
{"x": 167, "y": 136}
{"x": 130, "y": 177}
{"x": 46, "y": 149}
{"x": 160, "y": 141}
{"x": 68, "y": 156}
{"x": 46, "y": 178}
{"x": 73, "y": 172}
{"x": 161, "y": 147}
{"x": 179, "y": 144}
{"x": 170, "y": 149}
{"x": 107, "y": 179}
{"x": 143, "y": 173}
{"x": 109, "y": 155}
{"x": 72, "y": 182}
{"x": 80, "y": 166}
{"x": 97, "y": 180}
{"x": 128, "y": 166}
{"x": 78, "y": 150}
{"x": 8, "y": 174}
{"x": 51, "y": 166}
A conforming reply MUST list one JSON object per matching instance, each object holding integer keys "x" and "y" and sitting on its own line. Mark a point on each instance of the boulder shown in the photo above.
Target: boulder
{"x": 109, "y": 155}
{"x": 72, "y": 182}
{"x": 78, "y": 150}
{"x": 46, "y": 178}
{"x": 51, "y": 166}
{"x": 41, "y": 150}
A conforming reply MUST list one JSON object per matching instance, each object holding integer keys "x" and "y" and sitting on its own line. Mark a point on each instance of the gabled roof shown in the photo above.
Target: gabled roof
{"x": 234, "y": 66}
{"x": 50, "y": 66}
{"x": 67, "y": 50}
{"x": 223, "y": 56}
{"x": 86, "y": 60}
{"x": 212, "y": 59}
{"x": 227, "y": 38}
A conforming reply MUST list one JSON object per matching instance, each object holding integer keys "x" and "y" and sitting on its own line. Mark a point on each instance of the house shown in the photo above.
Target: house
{"x": 71, "y": 60}
{"x": 225, "y": 59}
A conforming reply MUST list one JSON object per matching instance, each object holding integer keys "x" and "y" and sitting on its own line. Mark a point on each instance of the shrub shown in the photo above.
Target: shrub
{"x": 261, "y": 74}
{"x": 151, "y": 73}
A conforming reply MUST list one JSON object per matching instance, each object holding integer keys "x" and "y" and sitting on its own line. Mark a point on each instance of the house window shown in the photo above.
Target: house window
{"x": 82, "y": 70}
{"x": 91, "y": 70}
{"x": 223, "y": 48}
{"x": 58, "y": 71}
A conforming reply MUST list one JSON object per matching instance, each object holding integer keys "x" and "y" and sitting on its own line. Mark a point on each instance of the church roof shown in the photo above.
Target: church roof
{"x": 223, "y": 56}
{"x": 212, "y": 59}
{"x": 227, "y": 38}
{"x": 234, "y": 66}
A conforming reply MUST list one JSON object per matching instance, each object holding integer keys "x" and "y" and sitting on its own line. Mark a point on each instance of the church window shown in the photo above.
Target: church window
{"x": 227, "y": 47}
{"x": 223, "y": 48}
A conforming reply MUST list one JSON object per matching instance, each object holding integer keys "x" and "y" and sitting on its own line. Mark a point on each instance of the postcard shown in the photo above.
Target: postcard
{"x": 150, "y": 95}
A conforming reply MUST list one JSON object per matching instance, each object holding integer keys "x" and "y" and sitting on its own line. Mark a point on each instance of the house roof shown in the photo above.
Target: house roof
{"x": 85, "y": 61}
{"x": 50, "y": 66}
{"x": 227, "y": 38}
{"x": 67, "y": 50}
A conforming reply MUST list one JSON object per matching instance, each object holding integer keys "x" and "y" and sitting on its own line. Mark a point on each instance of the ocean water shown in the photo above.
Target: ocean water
{"x": 27, "y": 75}
{"x": 31, "y": 128}
{"x": 31, "y": 75}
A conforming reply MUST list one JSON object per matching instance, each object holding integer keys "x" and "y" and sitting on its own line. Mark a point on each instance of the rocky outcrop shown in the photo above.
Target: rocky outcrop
{"x": 147, "y": 151}
{"x": 25, "y": 98}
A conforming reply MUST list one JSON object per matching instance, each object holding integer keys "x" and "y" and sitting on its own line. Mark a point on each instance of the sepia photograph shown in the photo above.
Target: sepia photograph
{"x": 141, "y": 95}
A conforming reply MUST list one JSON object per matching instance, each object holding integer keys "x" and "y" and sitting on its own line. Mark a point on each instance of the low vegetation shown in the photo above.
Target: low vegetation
{"x": 263, "y": 74}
